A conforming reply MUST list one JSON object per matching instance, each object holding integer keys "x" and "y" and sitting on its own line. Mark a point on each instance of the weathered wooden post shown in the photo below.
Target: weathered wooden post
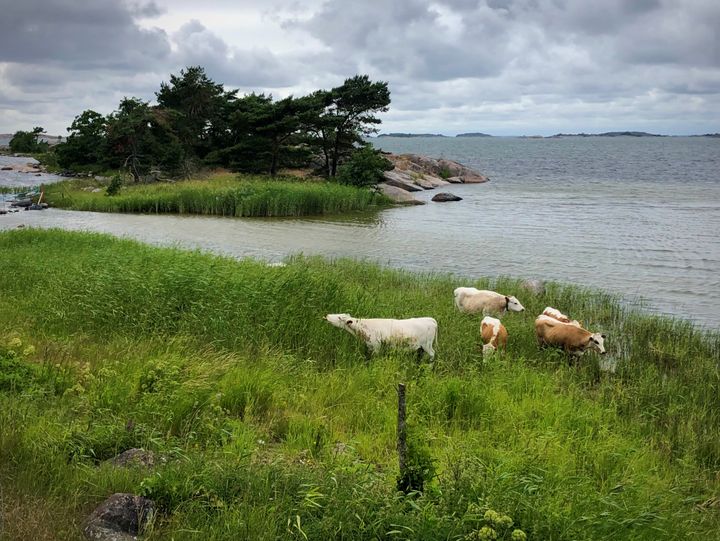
{"x": 402, "y": 431}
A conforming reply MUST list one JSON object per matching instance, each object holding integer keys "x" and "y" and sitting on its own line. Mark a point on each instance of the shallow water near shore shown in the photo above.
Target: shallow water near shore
{"x": 638, "y": 217}
{"x": 23, "y": 179}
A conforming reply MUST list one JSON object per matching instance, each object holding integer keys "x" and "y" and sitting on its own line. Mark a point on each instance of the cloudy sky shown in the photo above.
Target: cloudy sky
{"x": 505, "y": 67}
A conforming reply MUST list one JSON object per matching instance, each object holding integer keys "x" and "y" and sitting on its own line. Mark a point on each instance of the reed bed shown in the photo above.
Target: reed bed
{"x": 274, "y": 427}
{"x": 221, "y": 195}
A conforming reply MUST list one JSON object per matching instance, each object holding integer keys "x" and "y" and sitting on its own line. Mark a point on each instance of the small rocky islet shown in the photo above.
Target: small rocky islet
{"x": 415, "y": 173}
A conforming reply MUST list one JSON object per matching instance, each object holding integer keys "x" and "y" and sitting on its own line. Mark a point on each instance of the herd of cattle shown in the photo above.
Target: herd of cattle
{"x": 552, "y": 328}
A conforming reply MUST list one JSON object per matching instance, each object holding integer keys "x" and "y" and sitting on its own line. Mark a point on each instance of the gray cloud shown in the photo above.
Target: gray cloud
{"x": 80, "y": 35}
{"x": 197, "y": 45}
{"x": 504, "y": 66}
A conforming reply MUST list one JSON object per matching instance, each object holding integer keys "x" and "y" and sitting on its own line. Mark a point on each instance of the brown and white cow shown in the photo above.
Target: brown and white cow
{"x": 494, "y": 335}
{"x": 573, "y": 339}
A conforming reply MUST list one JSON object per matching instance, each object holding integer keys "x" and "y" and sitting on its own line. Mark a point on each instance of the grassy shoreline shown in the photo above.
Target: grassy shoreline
{"x": 274, "y": 427}
{"x": 222, "y": 195}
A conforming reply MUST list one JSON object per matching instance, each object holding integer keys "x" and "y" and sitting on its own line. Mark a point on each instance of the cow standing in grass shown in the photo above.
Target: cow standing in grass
{"x": 573, "y": 339}
{"x": 494, "y": 335}
{"x": 471, "y": 301}
{"x": 417, "y": 334}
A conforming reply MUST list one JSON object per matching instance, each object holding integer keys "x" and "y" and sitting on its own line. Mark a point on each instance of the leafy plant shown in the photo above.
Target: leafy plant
{"x": 115, "y": 185}
{"x": 365, "y": 167}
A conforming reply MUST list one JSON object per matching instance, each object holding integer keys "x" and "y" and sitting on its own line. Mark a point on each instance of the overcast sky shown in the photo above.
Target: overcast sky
{"x": 505, "y": 67}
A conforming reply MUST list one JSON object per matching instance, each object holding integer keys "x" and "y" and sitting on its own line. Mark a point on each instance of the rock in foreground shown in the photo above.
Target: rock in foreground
{"x": 119, "y": 518}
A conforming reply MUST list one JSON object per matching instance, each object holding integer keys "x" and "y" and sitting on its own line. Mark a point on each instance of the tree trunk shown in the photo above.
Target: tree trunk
{"x": 274, "y": 160}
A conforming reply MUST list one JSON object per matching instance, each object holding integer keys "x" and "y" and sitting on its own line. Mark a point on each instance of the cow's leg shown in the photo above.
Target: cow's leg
{"x": 368, "y": 353}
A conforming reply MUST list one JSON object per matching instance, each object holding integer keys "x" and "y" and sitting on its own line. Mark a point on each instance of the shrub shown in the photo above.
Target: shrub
{"x": 419, "y": 466}
{"x": 364, "y": 168}
{"x": 444, "y": 172}
{"x": 116, "y": 183}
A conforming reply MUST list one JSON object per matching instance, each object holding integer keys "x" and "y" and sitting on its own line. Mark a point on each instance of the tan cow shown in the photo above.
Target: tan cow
{"x": 494, "y": 335}
{"x": 573, "y": 339}
{"x": 557, "y": 314}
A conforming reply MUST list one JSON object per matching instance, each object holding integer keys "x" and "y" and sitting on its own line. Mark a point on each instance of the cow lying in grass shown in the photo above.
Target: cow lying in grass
{"x": 494, "y": 335}
{"x": 569, "y": 336}
{"x": 417, "y": 334}
{"x": 471, "y": 301}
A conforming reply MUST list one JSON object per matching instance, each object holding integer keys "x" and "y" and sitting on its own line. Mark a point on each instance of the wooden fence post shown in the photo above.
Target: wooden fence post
{"x": 402, "y": 430}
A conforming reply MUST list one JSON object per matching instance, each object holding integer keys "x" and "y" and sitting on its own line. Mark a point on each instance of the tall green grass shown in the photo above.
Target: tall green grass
{"x": 273, "y": 426}
{"x": 223, "y": 195}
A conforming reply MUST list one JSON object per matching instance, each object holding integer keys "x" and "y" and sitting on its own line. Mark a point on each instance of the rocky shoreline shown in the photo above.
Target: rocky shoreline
{"x": 415, "y": 173}
{"x": 28, "y": 167}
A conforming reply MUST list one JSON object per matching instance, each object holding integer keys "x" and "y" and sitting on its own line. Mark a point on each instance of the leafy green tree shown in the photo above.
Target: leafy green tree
{"x": 266, "y": 134}
{"x": 86, "y": 144}
{"x": 203, "y": 107}
{"x": 365, "y": 167}
{"x": 349, "y": 113}
{"x": 28, "y": 141}
{"x": 141, "y": 137}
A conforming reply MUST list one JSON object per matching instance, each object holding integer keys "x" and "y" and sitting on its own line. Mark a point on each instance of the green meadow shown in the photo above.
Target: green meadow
{"x": 269, "y": 424}
{"x": 222, "y": 195}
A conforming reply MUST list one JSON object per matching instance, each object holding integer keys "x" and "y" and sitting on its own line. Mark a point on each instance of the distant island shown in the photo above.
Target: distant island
{"x": 411, "y": 135}
{"x": 473, "y": 134}
{"x": 610, "y": 134}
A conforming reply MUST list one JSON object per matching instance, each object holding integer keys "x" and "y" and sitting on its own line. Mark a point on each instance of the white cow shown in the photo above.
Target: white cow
{"x": 417, "y": 334}
{"x": 472, "y": 300}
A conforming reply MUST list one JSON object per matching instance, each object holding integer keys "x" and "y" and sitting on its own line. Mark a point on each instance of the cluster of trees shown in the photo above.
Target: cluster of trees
{"x": 28, "y": 141}
{"x": 197, "y": 122}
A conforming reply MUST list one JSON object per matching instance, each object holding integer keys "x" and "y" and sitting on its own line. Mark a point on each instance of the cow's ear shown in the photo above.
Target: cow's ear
{"x": 349, "y": 322}
{"x": 507, "y": 299}
{"x": 603, "y": 336}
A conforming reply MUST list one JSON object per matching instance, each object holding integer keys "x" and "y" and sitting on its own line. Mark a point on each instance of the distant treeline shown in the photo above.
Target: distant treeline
{"x": 410, "y": 135}
{"x": 197, "y": 123}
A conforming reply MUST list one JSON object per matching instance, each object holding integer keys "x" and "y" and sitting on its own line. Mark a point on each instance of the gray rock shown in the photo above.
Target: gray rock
{"x": 119, "y": 518}
{"x": 454, "y": 180}
{"x": 444, "y": 197}
{"x": 398, "y": 195}
{"x": 424, "y": 184}
{"x": 97, "y": 190}
{"x": 134, "y": 457}
{"x": 401, "y": 180}
{"x": 534, "y": 286}
{"x": 474, "y": 178}
{"x": 435, "y": 181}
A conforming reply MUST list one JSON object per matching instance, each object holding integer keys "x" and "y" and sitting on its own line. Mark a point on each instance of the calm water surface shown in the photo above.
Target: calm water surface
{"x": 639, "y": 217}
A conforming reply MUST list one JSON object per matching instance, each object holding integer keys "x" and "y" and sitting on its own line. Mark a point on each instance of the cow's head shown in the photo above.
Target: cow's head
{"x": 596, "y": 342}
{"x": 513, "y": 304}
{"x": 341, "y": 321}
